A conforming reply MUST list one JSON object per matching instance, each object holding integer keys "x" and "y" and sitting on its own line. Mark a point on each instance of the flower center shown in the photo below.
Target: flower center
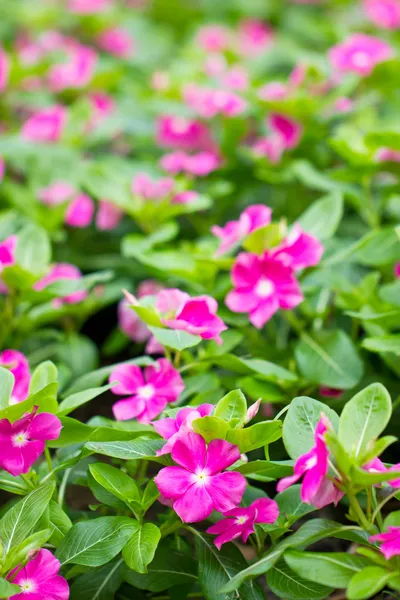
{"x": 242, "y": 520}
{"x": 201, "y": 478}
{"x": 19, "y": 440}
{"x": 180, "y": 125}
{"x": 361, "y": 59}
{"x": 146, "y": 391}
{"x": 311, "y": 462}
{"x": 264, "y": 288}
{"x": 27, "y": 586}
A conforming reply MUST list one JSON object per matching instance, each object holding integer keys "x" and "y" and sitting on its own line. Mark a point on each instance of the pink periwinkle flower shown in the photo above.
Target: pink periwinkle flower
{"x": 199, "y": 165}
{"x": 193, "y": 315}
{"x": 210, "y": 102}
{"x": 135, "y": 329}
{"x": 343, "y": 104}
{"x": 45, "y": 125}
{"x": 359, "y": 53}
{"x": 390, "y": 541}
{"x": 383, "y": 13}
{"x": 299, "y": 250}
{"x": 102, "y": 107}
{"x": 108, "y": 216}
{"x": 7, "y": 257}
{"x": 397, "y": 270}
{"x": 313, "y": 466}
{"x": 18, "y": 365}
{"x": 149, "y": 391}
{"x": 77, "y": 72}
{"x": 387, "y": 155}
{"x": 116, "y": 41}
{"x": 172, "y": 429}
{"x": 255, "y": 37}
{"x": 237, "y": 78}
{"x": 56, "y": 193}
{"x": 240, "y": 521}
{"x": 39, "y": 579}
{"x": 275, "y": 90}
{"x": 24, "y": 441}
{"x": 4, "y": 69}
{"x": 262, "y": 285}
{"x": 183, "y": 133}
{"x": 88, "y": 7}
{"x": 2, "y": 168}
{"x": 160, "y": 81}
{"x": 213, "y": 38}
{"x": 185, "y": 197}
{"x": 80, "y": 211}
{"x": 62, "y": 271}
{"x": 200, "y": 484}
{"x": 376, "y": 466}
{"x": 285, "y": 135}
{"x": 252, "y": 218}
{"x": 328, "y": 392}
{"x": 152, "y": 189}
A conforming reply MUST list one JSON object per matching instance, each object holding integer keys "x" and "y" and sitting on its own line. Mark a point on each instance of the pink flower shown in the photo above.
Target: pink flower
{"x": 262, "y": 286}
{"x": 62, "y": 271}
{"x": 185, "y": 197}
{"x": 7, "y": 257}
{"x": 108, "y": 216}
{"x": 56, "y": 193}
{"x": 77, "y": 72}
{"x": 193, "y": 315}
{"x": 39, "y": 579}
{"x": 152, "y": 189}
{"x": 210, "y": 102}
{"x": 200, "y": 164}
{"x": 384, "y": 13}
{"x": 237, "y": 78}
{"x": 18, "y": 365}
{"x": 199, "y": 484}
{"x": 255, "y": 37}
{"x": 130, "y": 323}
{"x": 397, "y": 270}
{"x": 252, "y": 218}
{"x": 213, "y": 38}
{"x": 22, "y": 442}
{"x": 102, "y": 107}
{"x": 240, "y": 521}
{"x": 387, "y": 155}
{"x": 45, "y": 125}
{"x": 160, "y": 81}
{"x": 359, "y": 53}
{"x": 180, "y": 132}
{"x": 328, "y": 392}
{"x": 316, "y": 488}
{"x": 215, "y": 65}
{"x": 343, "y": 104}
{"x": 116, "y": 41}
{"x": 80, "y": 211}
{"x": 299, "y": 250}
{"x": 376, "y": 466}
{"x": 390, "y": 542}
{"x": 274, "y": 90}
{"x": 4, "y": 69}
{"x": 87, "y": 7}
{"x": 173, "y": 429}
{"x": 285, "y": 135}
{"x": 2, "y": 168}
{"x": 149, "y": 391}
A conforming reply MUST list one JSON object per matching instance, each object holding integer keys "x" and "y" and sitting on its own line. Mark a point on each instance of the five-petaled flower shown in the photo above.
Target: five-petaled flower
{"x": 233, "y": 232}
{"x": 18, "y": 365}
{"x": 172, "y": 429}
{"x": 39, "y": 579}
{"x": 390, "y": 542}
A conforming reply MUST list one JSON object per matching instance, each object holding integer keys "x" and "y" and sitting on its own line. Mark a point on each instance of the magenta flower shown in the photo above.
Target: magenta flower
{"x": 376, "y": 466}
{"x": 299, "y": 250}
{"x": 152, "y": 189}
{"x": 359, "y": 53}
{"x": 56, "y": 193}
{"x": 383, "y": 13}
{"x": 2, "y": 168}
{"x": 183, "y": 133}
{"x": 88, "y": 7}
{"x": 285, "y": 135}
{"x": 77, "y": 72}
{"x": 209, "y": 102}
{"x": 194, "y": 315}
{"x": 390, "y": 542}
{"x": 199, "y": 484}
{"x": 108, "y": 216}
{"x": 7, "y": 255}
{"x": 262, "y": 285}
{"x": 275, "y": 90}
{"x": 62, "y": 271}
{"x": 39, "y": 579}
{"x": 255, "y": 37}
{"x": 213, "y": 38}
{"x": 328, "y": 392}
{"x": 200, "y": 164}
{"x": 80, "y": 211}
{"x": 18, "y": 364}
{"x": 387, "y": 155}
{"x": 46, "y": 125}
{"x": 22, "y": 442}
{"x": 4, "y": 69}
{"x": 397, "y": 270}
{"x": 237, "y": 78}
{"x": 116, "y": 41}
{"x": 149, "y": 391}
{"x": 316, "y": 488}
{"x": 173, "y": 429}
{"x": 240, "y": 521}
{"x": 102, "y": 107}
{"x": 252, "y": 218}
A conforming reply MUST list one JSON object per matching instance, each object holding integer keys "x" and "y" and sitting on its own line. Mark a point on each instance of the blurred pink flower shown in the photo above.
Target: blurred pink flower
{"x": 131, "y": 324}
{"x": 160, "y": 81}
{"x": 200, "y": 483}
{"x": 209, "y": 102}
{"x": 344, "y": 104}
{"x": 397, "y": 270}
{"x": 359, "y": 53}
{"x": 18, "y": 365}
{"x": 39, "y": 579}
{"x": 108, "y": 216}
{"x": 180, "y": 132}
{"x": 2, "y": 168}
{"x": 328, "y": 392}
{"x": 185, "y": 197}
{"x": 116, "y": 41}
{"x": 255, "y": 37}
{"x": 275, "y": 90}
{"x": 213, "y": 38}
{"x": 149, "y": 391}
{"x": 390, "y": 542}
{"x": 262, "y": 285}
{"x": 87, "y": 7}
{"x": 62, "y": 271}
{"x": 77, "y": 72}
{"x": 387, "y": 155}
{"x": 252, "y": 218}
{"x": 80, "y": 211}
{"x": 152, "y": 189}
{"x": 240, "y": 521}
{"x": 24, "y": 441}
{"x": 299, "y": 250}
{"x": 102, "y": 107}
{"x": 285, "y": 135}
{"x": 7, "y": 257}
{"x": 199, "y": 165}
{"x": 237, "y": 78}
{"x": 384, "y": 13}
{"x": 56, "y": 193}
{"x": 215, "y": 65}
{"x": 46, "y": 125}
{"x": 4, "y": 69}
{"x": 172, "y": 429}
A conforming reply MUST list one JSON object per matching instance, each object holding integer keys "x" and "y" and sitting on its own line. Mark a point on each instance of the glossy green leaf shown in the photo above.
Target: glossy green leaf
{"x": 326, "y": 568}
{"x": 116, "y": 482}
{"x": 232, "y": 407}
{"x": 367, "y": 582}
{"x": 256, "y": 436}
{"x": 322, "y": 218}
{"x": 287, "y": 584}
{"x": 6, "y": 387}
{"x": 140, "y": 549}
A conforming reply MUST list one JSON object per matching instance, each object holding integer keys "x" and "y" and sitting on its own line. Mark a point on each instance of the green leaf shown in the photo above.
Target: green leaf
{"x": 322, "y": 218}
{"x": 136, "y": 449}
{"x": 99, "y": 584}
{"x": 363, "y": 418}
{"x": 291, "y": 505}
{"x": 380, "y": 247}
{"x": 264, "y": 238}
{"x": 33, "y": 251}
{"x": 383, "y": 343}
{"x": 328, "y": 568}
{"x": 218, "y": 568}
{"x": 140, "y": 549}
{"x": 19, "y": 520}
{"x": 287, "y": 584}
{"x": 6, "y": 387}
{"x": 59, "y": 522}
{"x": 175, "y": 339}
{"x": 76, "y": 400}
{"x": 367, "y": 583}
{"x": 45, "y": 399}
{"x": 116, "y": 482}
{"x": 329, "y": 358}
{"x": 265, "y": 470}
{"x": 231, "y": 407}
{"x": 211, "y": 428}
{"x": 94, "y": 543}
{"x": 8, "y": 589}
{"x": 255, "y": 436}
{"x": 19, "y": 554}
{"x": 300, "y": 422}
{"x": 44, "y": 374}
{"x": 365, "y": 478}
{"x": 267, "y": 391}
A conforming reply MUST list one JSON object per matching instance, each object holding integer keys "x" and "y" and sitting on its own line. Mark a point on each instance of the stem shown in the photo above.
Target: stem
{"x": 48, "y": 459}
{"x": 168, "y": 529}
{"x": 177, "y": 360}
{"x": 27, "y": 481}
{"x": 63, "y": 487}
{"x": 293, "y": 321}
{"x": 281, "y": 412}
{"x": 375, "y": 504}
{"x": 382, "y": 504}
{"x": 362, "y": 520}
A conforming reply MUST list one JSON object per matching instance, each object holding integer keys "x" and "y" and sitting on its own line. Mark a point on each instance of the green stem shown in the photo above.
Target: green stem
{"x": 27, "y": 481}
{"x": 293, "y": 321}
{"x": 63, "y": 487}
{"x": 281, "y": 412}
{"x": 48, "y": 459}
{"x": 358, "y": 511}
{"x": 382, "y": 504}
{"x": 167, "y": 529}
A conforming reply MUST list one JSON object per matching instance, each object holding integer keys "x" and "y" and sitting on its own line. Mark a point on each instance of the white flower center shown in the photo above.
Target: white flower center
{"x": 19, "y": 440}
{"x": 146, "y": 391}
{"x": 264, "y": 288}
{"x": 361, "y": 59}
{"x": 180, "y": 125}
{"x": 242, "y": 520}
{"x": 201, "y": 478}
{"x": 311, "y": 462}
{"x": 27, "y": 586}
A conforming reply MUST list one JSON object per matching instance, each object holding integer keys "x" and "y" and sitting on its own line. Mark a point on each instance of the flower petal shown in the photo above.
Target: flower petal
{"x": 221, "y": 455}
{"x": 128, "y": 409}
{"x": 267, "y": 510}
{"x": 190, "y": 452}
{"x": 44, "y": 426}
{"x": 195, "y": 504}
{"x": 226, "y": 490}
{"x": 129, "y": 379}
{"x": 172, "y": 482}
